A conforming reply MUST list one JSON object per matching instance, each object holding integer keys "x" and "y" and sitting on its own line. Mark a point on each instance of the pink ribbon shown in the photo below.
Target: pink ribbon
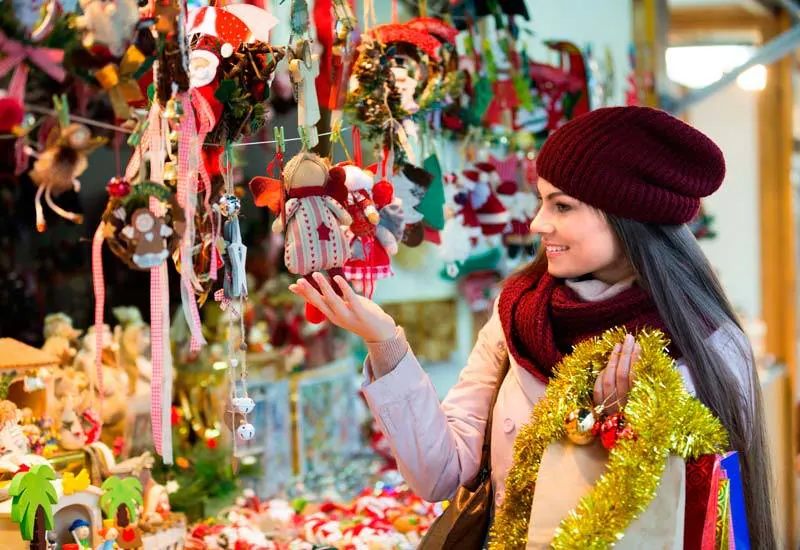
{"x": 157, "y": 352}
{"x": 99, "y": 288}
{"x": 16, "y": 89}
{"x": 49, "y": 60}
{"x": 188, "y": 156}
{"x": 225, "y": 303}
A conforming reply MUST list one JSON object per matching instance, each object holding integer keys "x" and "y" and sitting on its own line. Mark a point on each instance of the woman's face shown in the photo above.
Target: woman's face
{"x": 577, "y": 238}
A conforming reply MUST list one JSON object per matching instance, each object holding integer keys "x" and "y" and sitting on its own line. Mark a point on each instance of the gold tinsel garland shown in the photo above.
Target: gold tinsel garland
{"x": 664, "y": 417}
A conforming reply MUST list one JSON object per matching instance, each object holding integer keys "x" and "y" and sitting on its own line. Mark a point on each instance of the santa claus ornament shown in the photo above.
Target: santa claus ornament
{"x": 313, "y": 220}
{"x": 521, "y": 206}
{"x": 489, "y": 211}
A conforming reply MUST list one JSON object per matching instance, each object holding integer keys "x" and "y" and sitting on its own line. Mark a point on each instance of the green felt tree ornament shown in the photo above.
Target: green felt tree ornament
{"x": 33, "y": 496}
{"x": 432, "y": 204}
{"x": 120, "y": 499}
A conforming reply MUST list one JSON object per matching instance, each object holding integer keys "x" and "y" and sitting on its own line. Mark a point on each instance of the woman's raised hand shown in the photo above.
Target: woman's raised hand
{"x": 352, "y": 312}
{"x": 615, "y": 381}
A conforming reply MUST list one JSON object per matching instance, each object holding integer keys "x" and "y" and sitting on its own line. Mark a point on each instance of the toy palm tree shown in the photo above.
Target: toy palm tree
{"x": 31, "y": 506}
{"x": 121, "y": 498}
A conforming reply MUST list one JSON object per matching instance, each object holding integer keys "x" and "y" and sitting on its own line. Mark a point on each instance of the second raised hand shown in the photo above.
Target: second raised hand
{"x": 352, "y": 312}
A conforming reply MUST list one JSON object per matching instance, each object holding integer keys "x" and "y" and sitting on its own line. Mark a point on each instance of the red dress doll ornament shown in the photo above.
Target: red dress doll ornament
{"x": 371, "y": 244}
{"x": 313, "y": 220}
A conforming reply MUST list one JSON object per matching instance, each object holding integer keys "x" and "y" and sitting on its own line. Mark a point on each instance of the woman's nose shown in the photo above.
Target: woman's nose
{"x": 540, "y": 225}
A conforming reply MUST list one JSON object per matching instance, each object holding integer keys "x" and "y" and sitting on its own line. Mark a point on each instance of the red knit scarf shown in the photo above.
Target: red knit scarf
{"x": 543, "y": 319}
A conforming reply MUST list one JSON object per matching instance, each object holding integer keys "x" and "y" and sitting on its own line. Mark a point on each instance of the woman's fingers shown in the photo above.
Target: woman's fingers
{"x": 349, "y": 295}
{"x": 310, "y": 295}
{"x": 609, "y": 379}
{"x": 330, "y": 297}
{"x": 598, "y": 389}
{"x": 601, "y": 389}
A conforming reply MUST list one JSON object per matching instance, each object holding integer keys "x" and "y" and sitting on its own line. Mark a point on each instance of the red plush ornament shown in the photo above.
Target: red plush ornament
{"x": 11, "y": 115}
{"x": 382, "y": 193}
{"x": 614, "y": 428}
{"x": 335, "y": 187}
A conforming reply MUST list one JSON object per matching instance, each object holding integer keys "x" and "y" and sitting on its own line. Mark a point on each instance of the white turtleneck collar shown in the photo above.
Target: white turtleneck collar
{"x": 593, "y": 290}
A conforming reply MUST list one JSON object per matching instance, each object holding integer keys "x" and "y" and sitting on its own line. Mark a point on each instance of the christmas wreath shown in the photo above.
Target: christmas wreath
{"x": 660, "y": 419}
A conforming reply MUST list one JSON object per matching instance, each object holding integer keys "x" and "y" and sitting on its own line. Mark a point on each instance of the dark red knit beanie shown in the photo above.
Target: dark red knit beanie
{"x": 633, "y": 162}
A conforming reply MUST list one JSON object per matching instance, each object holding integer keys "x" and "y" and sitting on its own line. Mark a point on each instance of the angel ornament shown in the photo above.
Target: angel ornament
{"x": 149, "y": 234}
{"x": 304, "y": 70}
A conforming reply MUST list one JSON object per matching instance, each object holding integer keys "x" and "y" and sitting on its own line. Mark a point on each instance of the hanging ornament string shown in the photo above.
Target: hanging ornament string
{"x": 370, "y": 19}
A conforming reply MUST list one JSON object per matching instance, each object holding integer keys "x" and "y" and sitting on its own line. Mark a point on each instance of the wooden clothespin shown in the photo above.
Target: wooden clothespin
{"x": 303, "y": 131}
{"x": 61, "y": 106}
{"x": 280, "y": 140}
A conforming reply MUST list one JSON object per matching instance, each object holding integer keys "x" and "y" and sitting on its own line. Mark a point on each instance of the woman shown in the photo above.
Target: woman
{"x": 617, "y": 187}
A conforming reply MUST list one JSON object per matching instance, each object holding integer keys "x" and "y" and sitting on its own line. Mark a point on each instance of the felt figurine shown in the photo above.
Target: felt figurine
{"x": 108, "y": 22}
{"x": 115, "y": 380}
{"x": 304, "y": 69}
{"x": 56, "y": 169}
{"x": 12, "y": 438}
{"x": 110, "y": 535}
{"x": 521, "y": 206}
{"x": 71, "y": 435}
{"x": 60, "y": 337}
{"x": 81, "y": 533}
{"x": 150, "y": 235}
{"x": 314, "y": 240}
{"x": 371, "y": 244}
{"x": 134, "y": 233}
{"x": 132, "y": 336}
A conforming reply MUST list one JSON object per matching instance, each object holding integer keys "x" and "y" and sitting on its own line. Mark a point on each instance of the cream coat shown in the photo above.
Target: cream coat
{"x": 438, "y": 446}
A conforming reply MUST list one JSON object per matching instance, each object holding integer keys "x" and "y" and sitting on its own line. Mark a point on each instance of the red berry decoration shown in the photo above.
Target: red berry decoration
{"x": 382, "y": 194}
{"x": 118, "y": 187}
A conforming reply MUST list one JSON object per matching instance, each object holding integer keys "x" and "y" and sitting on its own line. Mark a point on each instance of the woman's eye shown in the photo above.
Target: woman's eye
{"x": 561, "y": 207}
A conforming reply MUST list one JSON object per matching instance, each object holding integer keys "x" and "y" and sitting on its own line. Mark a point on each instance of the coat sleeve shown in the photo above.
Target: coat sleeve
{"x": 438, "y": 446}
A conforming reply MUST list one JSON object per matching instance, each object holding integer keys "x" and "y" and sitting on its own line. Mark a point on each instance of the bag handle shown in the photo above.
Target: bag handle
{"x": 484, "y": 470}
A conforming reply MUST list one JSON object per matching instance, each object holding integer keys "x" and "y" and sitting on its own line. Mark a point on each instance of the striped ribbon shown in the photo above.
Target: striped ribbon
{"x": 99, "y": 288}
{"x": 188, "y": 160}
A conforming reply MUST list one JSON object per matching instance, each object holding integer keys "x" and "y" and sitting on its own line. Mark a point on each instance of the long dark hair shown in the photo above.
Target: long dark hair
{"x": 672, "y": 268}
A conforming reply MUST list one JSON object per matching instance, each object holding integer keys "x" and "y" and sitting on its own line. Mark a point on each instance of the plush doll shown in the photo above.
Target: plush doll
{"x": 371, "y": 243}
{"x": 313, "y": 220}
{"x": 60, "y": 338}
{"x": 109, "y": 22}
{"x": 56, "y": 170}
